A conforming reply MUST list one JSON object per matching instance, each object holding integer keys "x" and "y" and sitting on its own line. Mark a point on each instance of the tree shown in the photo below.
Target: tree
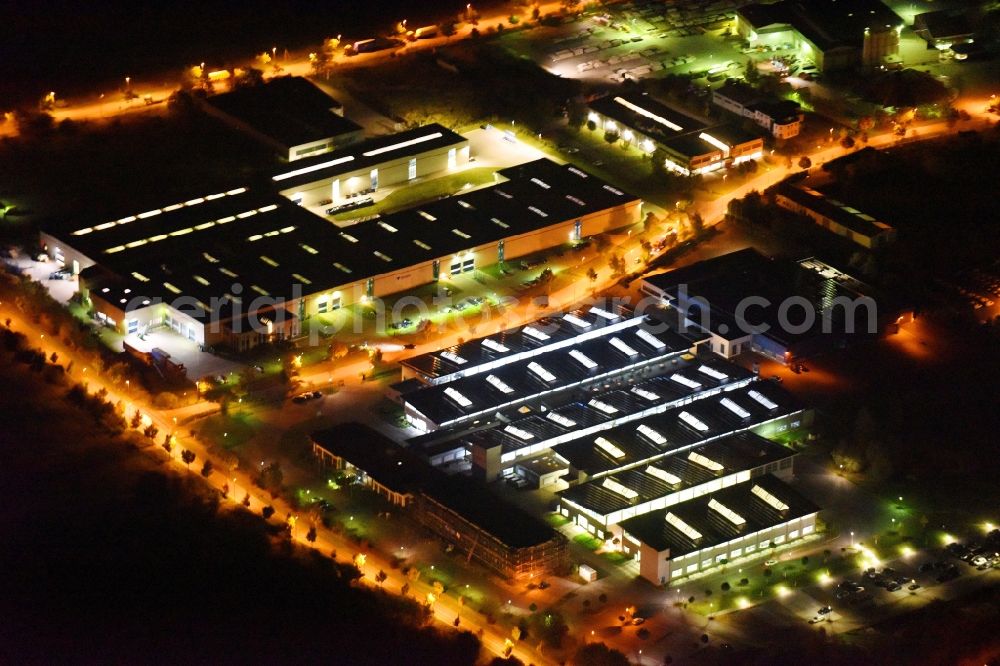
{"x": 447, "y": 28}
{"x": 599, "y": 654}
{"x": 752, "y": 75}
{"x": 206, "y": 469}
{"x": 151, "y": 431}
{"x": 725, "y": 587}
{"x": 592, "y": 274}
{"x": 136, "y": 420}
{"x": 187, "y": 455}
{"x": 805, "y": 162}
{"x": 267, "y": 512}
{"x": 168, "y": 443}
{"x": 311, "y": 534}
{"x": 246, "y": 500}
{"x": 697, "y": 225}
{"x": 248, "y": 77}
{"x": 381, "y": 577}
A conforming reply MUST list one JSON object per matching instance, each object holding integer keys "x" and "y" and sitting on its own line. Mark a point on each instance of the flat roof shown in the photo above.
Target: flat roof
{"x": 398, "y": 469}
{"x": 842, "y": 213}
{"x": 289, "y": 109}
{"x": 712, "y": 528}
{"x": 728, "y": 280}
{"x": 825, "y": 23}
{"x": 364, "y": 155}
{"x": 736, "y": 453}
{"x": 269, "y": 246}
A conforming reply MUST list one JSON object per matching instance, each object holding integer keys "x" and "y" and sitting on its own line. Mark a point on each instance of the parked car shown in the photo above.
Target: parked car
{"x": 60, "y": 275}
{"x": 307, "y": 396}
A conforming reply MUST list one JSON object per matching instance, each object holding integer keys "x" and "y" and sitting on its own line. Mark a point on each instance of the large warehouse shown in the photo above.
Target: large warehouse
{"x": 288, "y": 113}
{"x": 834, "y": 34}
{"x": 348, "y": 177}
{"x": 743, "y": 520}
{"x": 202, "y": 264}
{"x": 691, "y": 146}
{"x": 606, "y": 346}
{"x": 779, "y": 308}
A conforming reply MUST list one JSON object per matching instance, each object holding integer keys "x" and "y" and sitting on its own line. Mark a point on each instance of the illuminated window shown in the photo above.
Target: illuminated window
{"x": 684, "y": 381}
{"x": 663, "y": 475}
{"x": 769, "y": 499}
{"x": 651, "y": 434}
{"x": 520, "y": 433}
{"x": 608, "y": 447}
{"x": 457, "y": 397}
{"x": 685, "y": 529}
{"x": 759, "y": 397}
{"x": 644, "y": 394}
{"x": 727, "y": 513}
{"x": 533, "y": 332}
{"x": 650, "y": 339}
{"x": 560, "y": 419}
{"x": 693, "y": 421}
{"x": 603, "y": 406}
{"x": 713, "y": 373}
{"x": 576, "y": 321}
{"x": 454, "y": 358}
{"x": 499, "y": 384}
{"x": 623, "y": 347}
{"x": 735, "y": 409}
{"x": 619, "y": 489}
{"x": 583, "y": 359}
{"x": 541, "y": 372}
{"x": 493, "y": 345}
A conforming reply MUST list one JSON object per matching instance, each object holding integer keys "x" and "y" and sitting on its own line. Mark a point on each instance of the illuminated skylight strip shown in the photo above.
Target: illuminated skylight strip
{"x": 576, "y": 321}
{"x": 664, "y": 475}
{"x": 623, "y": 347}
{"x": 693, "y": 421}
{"x": 310, "y": 169}
{"x": 770, "y": 499}
{"x": 500, "y": 384}
{"x": 653, "y": 435}
{"x": 650, "y": 339}
{"x": 704, "y": 136}
{"x": 560, "y": 419}
{"x": 520, "y": 433}
{"x": 533, "y": 332}
{"x": 454, "y": 358}
{"x": 648, "y": 114}
{"x": 727, "y": 513}
{"x": 601, "y": 312}
{"x": 712, "y": 372}
{"x": 759, "y": 397}
{"x": 457, "y": 397}
{"x": 493, "y": 345}
{"x": 583, "y": 359}
{"x": 735, "y": 409}
{"x": 707, "y": 463}
{"x": 644, "y": 394}
{"x": 688, "y": 531}
{"x": 541, "y": 372}
{"x": 402, "y": 144}
{"x": 619, "y": 489}
{"x": 603, "y": 406}
{"x": 608, "y": 447}
{"x": 684, "y": 381}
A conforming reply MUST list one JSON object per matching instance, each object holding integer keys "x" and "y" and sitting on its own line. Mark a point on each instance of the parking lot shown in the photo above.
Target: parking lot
{"x": 634, "y": 44}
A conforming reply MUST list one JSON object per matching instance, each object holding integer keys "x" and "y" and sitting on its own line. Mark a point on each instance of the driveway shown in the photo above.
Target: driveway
{"x": 196, "y": 362}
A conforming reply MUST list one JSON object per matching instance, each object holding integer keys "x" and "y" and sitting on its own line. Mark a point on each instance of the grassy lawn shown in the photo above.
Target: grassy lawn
{"x": 410, "y": 195}
{"x": 229, "y": 431}
{"x": 587, "y": 541}
{"x": 556, "y": 519}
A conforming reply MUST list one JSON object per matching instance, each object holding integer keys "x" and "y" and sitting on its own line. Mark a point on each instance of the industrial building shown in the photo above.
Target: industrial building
{"x": 599, "y": 505}
{"x": 288, "y": 113}
{"x": 354, "y": 176}
{"x": 745, "y": 519}
{"x": 462, "y": 511}
{"x": 833, "y": 34}
{"x": 517, "y": 367}
{"x": 201, "y": 265}
{"x": 781, "y": 118}
{"x": 834, "y": 216}
{"x": 781, "y": 309}
{"x": 690, "y": 145}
